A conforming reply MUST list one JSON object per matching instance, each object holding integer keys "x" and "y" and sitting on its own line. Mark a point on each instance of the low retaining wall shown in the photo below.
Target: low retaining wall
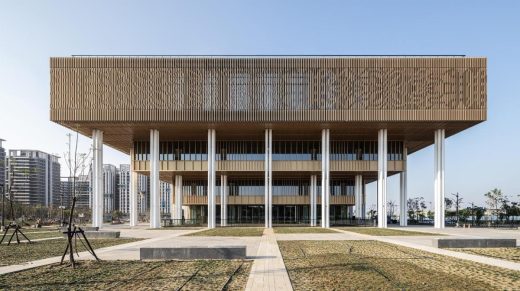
{"x": 444, "y": 243}
{"x": 193, "y": 253}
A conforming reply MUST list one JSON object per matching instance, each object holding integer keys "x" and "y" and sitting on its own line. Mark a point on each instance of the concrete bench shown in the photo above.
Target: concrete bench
{"x": 444, "y": 243}
{"x": 193, "y": 253}
{"x": 101, "y": 234}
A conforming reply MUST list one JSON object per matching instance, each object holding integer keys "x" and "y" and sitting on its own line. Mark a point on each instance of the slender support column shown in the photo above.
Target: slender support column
{"x": 403, "y": 197}
{"x": 155, "y": 204}
{"x": 325, "y": 187}
{"x": 97, "y": 178}
{"x": 364, "y": 205}
{"x": 211, "y": 179}
{"x": 313, "y": 199}
{"x": 171, "y": 197}
{"x": 223, "y": 200}
{"x": 134, "y": 213}
{"x": 268, "y": 176}
{"x": 177, "y": 212}
{"x": 381, "y": 178}
{"x": 439, "y": 178}
{"x": 358, "y": 195}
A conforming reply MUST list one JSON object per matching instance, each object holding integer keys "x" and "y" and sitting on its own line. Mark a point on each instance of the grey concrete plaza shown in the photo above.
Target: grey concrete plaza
{"x": 268, "y": 271}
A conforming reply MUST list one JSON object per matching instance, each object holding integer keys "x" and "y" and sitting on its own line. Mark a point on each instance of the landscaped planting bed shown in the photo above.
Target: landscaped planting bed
{"x": 362, "y": 265}
{"x": 24, "y": 252}
{"x": 510, "y": 254}
{"x": 230, "y": 231}
{"x": 385, "y": 231}
{"x": 282, "y": 230}
{"x": 134, "y": 275}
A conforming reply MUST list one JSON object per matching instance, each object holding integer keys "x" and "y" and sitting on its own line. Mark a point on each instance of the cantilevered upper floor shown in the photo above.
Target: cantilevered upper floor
{"x": 183, "y": 96}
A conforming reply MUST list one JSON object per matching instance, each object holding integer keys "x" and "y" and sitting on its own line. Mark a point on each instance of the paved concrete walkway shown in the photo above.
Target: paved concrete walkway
{"x": 407, "y": 241}
{"x": 268, "y": 271}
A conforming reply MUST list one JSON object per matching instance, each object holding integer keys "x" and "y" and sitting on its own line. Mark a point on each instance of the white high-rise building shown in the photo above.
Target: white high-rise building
{"x": 110, "y": 187}
{"x": 34, "y": 177}
{"x": 143, "y": 197}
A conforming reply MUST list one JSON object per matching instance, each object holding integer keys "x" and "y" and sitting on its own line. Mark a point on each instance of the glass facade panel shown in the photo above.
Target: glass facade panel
{"x": 294, "y": 150}
{"x": 254, "y": 150}
{"x": 363, "y": 150}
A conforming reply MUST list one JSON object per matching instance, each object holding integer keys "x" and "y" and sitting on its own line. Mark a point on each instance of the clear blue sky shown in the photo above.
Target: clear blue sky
{"x": 477, "y": 160}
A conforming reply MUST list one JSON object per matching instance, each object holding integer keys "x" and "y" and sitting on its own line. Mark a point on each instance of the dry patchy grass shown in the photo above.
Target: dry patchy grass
{"x": 24, "y": 252}
{"x": 230, "y": 231}
{"x": 282, "y": 230}
{"x": 372, "y": 265}
{"x": 510, "y": 254}
{"x": 33, "y": 234}
{"x": 385, "y": 231}
{"x": 134, "y": 275}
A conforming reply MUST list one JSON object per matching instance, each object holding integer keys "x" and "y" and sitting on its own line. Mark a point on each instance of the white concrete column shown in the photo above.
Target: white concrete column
{"x": 381, "y": 177}
{"x": 268, "y": 176}
{"x": 223, "y": 200}
{"x": 134, "y": 212}
{"x": 313, "y": 199}
{"x": 358, "y": 196}
{"x": 171, "y": 197}
{"x": 403, "y": 197}
{"x": 211, "y": 179}
{"x": 177, "y": 212}
{"x": 97, "y": 178}
{"x": 364, "y": 203}
{"x": 325, "y": 180}
{"x": 155, "y": 203}
{"x": 439, "y": 178}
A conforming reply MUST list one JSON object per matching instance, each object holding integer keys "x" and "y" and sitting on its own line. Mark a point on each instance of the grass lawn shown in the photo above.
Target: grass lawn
{"x": 177, "y": 228}
{"x": 282, "y": 230}
{"x": 510, "y": 254}
{"x": 372, "y": 265}
{"x": 33, "y": 233}
{"x": 384, "y": 231}
{"x": 230, "y": 231}
{"x": 24, "y": 252}
{"x": 134, "y": 275}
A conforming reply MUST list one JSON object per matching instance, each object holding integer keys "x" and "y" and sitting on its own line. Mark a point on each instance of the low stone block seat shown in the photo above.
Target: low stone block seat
{"x": 193, "y": 253}
{"x": 444, "y": 243}
{"x": 101, "y": 234}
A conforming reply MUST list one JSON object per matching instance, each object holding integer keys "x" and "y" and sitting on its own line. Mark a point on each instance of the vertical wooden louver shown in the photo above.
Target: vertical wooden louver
{"x": 267, "y": 89}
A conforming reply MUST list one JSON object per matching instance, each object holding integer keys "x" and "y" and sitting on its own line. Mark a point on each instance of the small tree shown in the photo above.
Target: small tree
{"x": 391, "y": 208}
{"x": 494, "y": 199}
{"x": 117, "y": 215}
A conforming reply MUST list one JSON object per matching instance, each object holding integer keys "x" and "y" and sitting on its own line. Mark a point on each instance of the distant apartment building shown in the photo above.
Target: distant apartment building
{"x": 34, "y": 177}
{"x": 80, "y": 188}
{"x": 124, "y": 188}
{"x": 2, "y": 167}
{"x": 110, "y": 186}
{"x": 165, "y": 191}
{"x": 142, "y": 193}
